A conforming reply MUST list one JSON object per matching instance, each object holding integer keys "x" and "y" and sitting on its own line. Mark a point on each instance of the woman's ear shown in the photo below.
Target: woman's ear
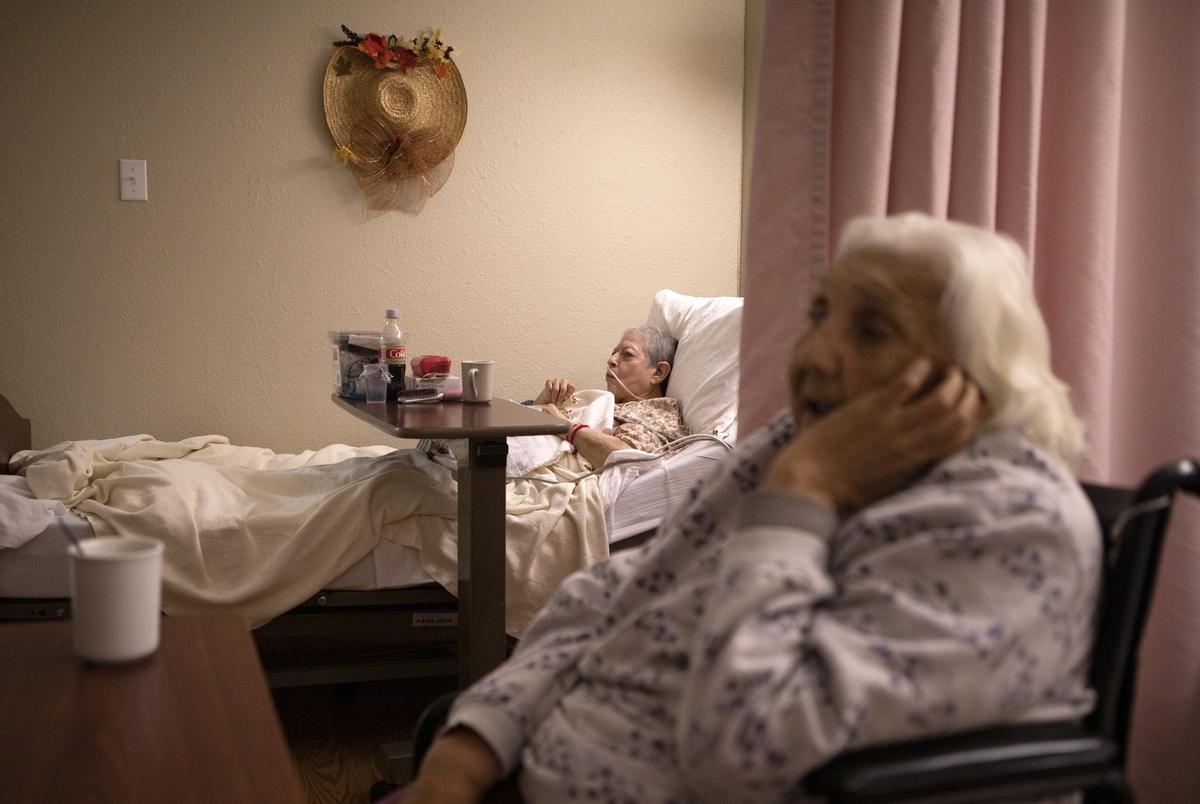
{"x": 661, "y": 371}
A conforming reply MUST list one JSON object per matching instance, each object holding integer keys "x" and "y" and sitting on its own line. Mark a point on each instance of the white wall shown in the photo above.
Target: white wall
{"x": 601, "y": 161}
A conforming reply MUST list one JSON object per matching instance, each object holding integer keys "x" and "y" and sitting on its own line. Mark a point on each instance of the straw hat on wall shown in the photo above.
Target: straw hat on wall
{"x": 396, "y": 112}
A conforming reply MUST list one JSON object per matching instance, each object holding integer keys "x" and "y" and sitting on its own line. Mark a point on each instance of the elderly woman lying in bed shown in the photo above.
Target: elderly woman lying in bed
{"x": 645, "y": 417}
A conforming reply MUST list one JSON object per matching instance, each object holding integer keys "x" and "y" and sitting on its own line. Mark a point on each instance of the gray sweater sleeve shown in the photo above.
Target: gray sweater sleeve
{"x": 778, "y": 509}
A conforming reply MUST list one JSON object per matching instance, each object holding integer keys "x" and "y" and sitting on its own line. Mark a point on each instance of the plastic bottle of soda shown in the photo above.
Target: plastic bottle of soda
{"x": 392, "y": 352}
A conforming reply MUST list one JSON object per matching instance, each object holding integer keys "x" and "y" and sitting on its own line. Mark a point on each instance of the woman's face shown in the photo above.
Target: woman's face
{"x": 630, "y": 375}
{"x": 870, "y": 320}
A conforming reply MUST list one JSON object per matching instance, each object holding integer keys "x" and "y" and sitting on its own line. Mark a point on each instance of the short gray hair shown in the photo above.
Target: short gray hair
{"x": 988, "y": 306}
{"x": 659, "y": 347}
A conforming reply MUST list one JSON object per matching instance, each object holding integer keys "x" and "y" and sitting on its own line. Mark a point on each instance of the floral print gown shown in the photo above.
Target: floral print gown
{"x": 756, "y": 636}
{"x": 648, "y": 424}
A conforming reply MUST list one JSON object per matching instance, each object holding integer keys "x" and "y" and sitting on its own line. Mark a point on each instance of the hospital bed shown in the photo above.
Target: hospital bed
{"x": 383, "y": 618}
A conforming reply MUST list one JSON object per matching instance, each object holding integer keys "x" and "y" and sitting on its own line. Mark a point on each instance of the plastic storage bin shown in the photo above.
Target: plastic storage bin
{"x": 351, "y": 351}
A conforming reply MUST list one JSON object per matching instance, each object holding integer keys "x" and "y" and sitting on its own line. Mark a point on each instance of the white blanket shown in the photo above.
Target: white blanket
{"x": 21, "y": 515}
{"x": 592, "y": 407}
{"x": 256, "y": 532}
{"x": 552, "y": 529}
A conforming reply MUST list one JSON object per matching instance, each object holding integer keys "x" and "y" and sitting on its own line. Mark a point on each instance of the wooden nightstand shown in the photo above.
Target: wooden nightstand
{"x": 193, "y": 722}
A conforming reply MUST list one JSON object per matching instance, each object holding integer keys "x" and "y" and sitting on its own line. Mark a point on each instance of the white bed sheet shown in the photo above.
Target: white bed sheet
{"x": 637, "y": 494}
{"x": 38, "y": 568}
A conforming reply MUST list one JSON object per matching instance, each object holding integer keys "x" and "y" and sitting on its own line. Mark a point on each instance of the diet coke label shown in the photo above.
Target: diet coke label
{"x": 393, "y": 354}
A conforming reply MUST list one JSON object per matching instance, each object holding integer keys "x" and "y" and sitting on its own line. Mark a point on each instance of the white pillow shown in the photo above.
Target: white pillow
{"x": 704, "y": 379}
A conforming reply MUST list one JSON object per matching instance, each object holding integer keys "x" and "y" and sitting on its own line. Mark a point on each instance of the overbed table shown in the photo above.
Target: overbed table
{"x": 192, "y": 722}
{"x": 485, "y": 428}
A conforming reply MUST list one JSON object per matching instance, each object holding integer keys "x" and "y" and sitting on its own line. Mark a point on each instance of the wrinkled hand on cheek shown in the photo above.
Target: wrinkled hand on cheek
{"x": 876, "y": 443}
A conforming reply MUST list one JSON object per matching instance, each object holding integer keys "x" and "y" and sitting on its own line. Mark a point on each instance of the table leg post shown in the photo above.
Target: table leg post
{"x": 481, "y": 563}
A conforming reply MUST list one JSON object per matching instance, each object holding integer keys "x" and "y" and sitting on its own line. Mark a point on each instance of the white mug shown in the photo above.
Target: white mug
{"x": 116, "y": 595}
{"x": 477, "y": 380}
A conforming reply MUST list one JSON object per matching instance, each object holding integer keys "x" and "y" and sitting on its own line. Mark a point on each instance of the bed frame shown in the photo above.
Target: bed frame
{"x": 333, "y": 637}
{"x": 16, "y": 433}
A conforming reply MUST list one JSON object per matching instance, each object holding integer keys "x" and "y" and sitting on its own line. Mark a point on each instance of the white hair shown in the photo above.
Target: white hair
{"x": 988, "y": 307}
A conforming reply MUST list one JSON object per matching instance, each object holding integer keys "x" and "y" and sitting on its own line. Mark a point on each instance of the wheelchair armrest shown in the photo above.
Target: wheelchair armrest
{"x": 1018, "y": 757}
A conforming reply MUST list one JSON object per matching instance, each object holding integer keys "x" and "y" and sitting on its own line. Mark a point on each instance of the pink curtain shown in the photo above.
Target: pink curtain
{"x": 1074, "y": 127}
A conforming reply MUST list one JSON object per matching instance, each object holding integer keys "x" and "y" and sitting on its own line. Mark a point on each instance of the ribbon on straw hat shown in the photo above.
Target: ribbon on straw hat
{"x": 396, "y": 109}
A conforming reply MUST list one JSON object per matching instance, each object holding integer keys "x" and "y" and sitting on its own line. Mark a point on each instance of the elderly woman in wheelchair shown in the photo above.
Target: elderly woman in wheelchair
{"x": 904, "y": 553}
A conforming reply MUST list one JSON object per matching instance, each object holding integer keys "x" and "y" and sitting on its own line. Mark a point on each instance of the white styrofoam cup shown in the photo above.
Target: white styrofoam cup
{"x": 116, "y": 595}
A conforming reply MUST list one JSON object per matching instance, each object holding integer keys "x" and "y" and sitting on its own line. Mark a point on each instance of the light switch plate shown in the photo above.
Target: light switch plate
{"x": 133, "y": 180}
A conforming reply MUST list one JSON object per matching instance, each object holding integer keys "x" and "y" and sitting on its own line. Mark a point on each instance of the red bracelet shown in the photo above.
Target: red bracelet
{"x": 574, "y": 431}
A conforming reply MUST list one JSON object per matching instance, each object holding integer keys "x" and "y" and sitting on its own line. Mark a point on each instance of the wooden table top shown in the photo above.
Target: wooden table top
{"x": 193, "y": 722}
{"x": 499, "y": 418}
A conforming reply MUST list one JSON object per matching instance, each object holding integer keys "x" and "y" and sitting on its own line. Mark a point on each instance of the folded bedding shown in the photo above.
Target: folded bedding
{"x": 22, "y": 515}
